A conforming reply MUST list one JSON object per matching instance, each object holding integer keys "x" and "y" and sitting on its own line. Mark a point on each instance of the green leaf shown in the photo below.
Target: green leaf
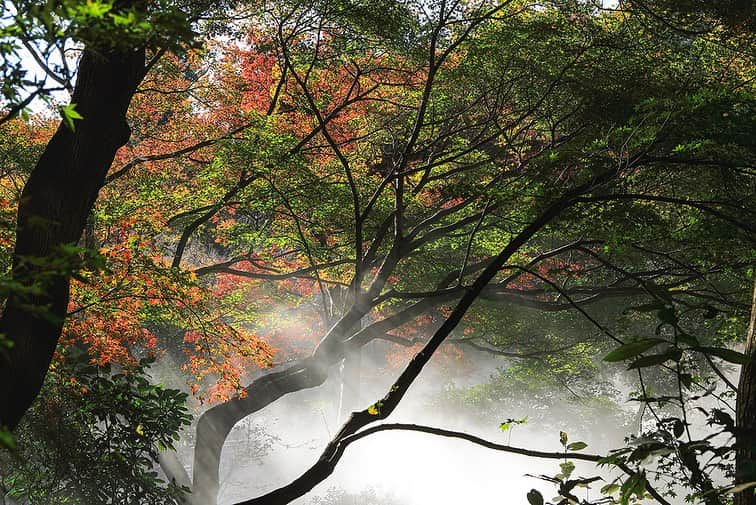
{"x": 7, "y": 440}
{"x": 567, "y": 468}
{"x": 634, "y": 485}
{"x": 726, "y": 354}
{"x": 614, "y": 458}
{"x": 610, "y": 488}
{"x": 535, "y": 497}
{"x": 656, "y": 359}
{"x": 509, "y": 423}
{"x": 632, "y": 349}
{"x": 576, "y": 446}
{"x": 95, "y": 9}
{"x": 69, "y": 114}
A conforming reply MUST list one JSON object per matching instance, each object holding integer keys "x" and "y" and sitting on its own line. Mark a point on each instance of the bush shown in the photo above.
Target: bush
{"x": 93, "y": 437}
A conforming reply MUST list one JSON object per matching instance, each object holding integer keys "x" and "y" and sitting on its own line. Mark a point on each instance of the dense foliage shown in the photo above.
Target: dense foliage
{"x": 94, "y": 435}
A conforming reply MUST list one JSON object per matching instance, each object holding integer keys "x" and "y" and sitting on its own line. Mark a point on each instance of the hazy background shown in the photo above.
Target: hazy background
{"x": 274, "y": 446}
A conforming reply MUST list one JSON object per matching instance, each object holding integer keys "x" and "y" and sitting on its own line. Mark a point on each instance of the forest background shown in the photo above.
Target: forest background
{"x": 212, "y": 207}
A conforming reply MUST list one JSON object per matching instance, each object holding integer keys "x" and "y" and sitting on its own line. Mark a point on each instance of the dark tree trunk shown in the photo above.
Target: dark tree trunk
{"x": 53, "y": 210}
{"x": 745, "y": 459}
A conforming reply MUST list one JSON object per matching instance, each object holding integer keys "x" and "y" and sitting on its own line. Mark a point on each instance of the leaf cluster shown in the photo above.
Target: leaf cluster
{"x": 94, "y": 435}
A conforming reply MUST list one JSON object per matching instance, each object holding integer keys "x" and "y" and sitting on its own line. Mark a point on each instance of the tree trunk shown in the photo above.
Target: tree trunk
{"x": 745, "y": 459}
{"x": 52, "y": 212}
{"x": 215, "y": 424}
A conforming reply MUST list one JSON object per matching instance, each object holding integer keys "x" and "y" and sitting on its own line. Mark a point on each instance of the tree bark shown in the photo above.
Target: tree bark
{"x": 745, "y": 458}
{"x": 53, "y": 209}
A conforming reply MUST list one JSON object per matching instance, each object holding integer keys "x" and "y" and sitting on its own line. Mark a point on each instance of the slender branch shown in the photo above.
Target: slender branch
{"x": 302, "y": 272}
{"x": 125, "y": 169}
{"x": 498, "y": 447}
{"x": 322, "y": 123}
{"x": 63, "y": 81}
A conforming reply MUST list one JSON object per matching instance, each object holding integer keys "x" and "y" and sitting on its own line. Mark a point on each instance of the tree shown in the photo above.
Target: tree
{"x": 63, "y": 186}
{"x": 744, "y": 472}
